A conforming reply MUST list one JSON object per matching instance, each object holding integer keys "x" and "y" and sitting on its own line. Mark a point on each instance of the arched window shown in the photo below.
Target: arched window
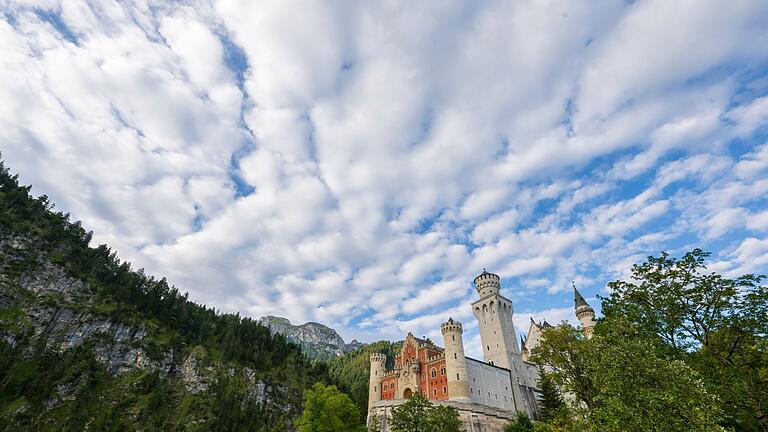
{"x": 457, "y": 377}
{"x": 445, "y": 390}
{"x": 455, "y": 355}
{"x": 434, "y": 392}
{"x": 434, "y": 373}
{"x": 442, "y": 371}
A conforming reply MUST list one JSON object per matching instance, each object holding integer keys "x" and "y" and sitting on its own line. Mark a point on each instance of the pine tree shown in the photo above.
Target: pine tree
{"x": 551, "y": 402}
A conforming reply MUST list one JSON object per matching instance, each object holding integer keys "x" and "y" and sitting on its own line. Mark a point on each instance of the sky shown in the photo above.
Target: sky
{"x": 358, "y": 163}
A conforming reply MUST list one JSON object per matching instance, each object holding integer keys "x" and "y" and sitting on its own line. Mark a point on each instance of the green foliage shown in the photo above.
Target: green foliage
{"x": 374, "y": 423}
{"x": 43, "y": 389}
{"x": 717, "y": 326}
{"x": 552, "y": 406}
{"x": 678, "y": 349}
{"x": 642, "y": 389}
{"x": 419, "y": 415}
{"x": 522, "y": 423}
{"x": 326, "y": 409}
{"x": 566, "y": 353}
{"x": 350, "y": 371}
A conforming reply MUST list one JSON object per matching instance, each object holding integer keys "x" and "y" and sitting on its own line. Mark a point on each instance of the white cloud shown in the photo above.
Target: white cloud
{"x": 358, "y": 164}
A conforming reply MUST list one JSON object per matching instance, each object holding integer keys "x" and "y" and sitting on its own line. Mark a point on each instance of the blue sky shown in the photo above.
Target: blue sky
{"x": 359, "y": 163}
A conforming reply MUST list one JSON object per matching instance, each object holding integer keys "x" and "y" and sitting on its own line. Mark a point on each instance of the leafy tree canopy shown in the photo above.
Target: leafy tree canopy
{"x": 678, "y": 349}
{"x": 326, "y": 409}
{"x": 419, "y": 415}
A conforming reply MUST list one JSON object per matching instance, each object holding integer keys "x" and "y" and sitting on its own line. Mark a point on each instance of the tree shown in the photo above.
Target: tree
{"x": 521, "y": 424}
{"x": 716, "y": 325}
{"x": 641, "y": 388}
{"x": 443, "y": 419}
{"x": 326, "y": 409}
{"x": 564, "y": 351}
{"x": 551, "y": 404}
{"x": 419, "y": 415}
{"x": 374, "y": 423}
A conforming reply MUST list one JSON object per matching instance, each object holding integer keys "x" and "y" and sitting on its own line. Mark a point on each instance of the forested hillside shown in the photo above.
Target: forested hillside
{"x": 88, "y": 343}
{"x": 350, "y": 371}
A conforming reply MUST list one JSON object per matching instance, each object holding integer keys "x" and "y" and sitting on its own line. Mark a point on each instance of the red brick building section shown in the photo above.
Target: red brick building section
{"x": 432, "y": 375}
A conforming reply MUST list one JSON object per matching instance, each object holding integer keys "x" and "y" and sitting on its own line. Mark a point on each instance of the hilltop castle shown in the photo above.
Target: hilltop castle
{"x": 488, "y": 393}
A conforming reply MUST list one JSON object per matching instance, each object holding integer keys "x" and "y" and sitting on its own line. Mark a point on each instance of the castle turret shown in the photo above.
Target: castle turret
{"x": 378, "y": 362}
{"x": 455, "y": 361}
{"x": 584, "y": 313}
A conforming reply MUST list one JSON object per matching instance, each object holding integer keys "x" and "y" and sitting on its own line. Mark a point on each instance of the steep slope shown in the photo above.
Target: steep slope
{"x": 86, "y": 343}
{"x": 316, "y": 340}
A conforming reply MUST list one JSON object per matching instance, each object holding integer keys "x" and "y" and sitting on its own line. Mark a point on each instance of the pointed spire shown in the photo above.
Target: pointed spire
{"x": 577, "y": 298}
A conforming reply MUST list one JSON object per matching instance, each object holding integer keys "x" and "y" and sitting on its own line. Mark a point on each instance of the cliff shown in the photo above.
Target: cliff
{"x": 87, "y": 343}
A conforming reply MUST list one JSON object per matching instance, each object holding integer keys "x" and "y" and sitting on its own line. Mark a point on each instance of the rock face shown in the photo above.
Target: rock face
{"x": 317, "y": 341}
{"x": 43, "y": 310}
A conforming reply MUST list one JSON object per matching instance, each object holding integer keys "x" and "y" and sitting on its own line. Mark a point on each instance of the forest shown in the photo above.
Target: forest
{"x": 33, "y": 377}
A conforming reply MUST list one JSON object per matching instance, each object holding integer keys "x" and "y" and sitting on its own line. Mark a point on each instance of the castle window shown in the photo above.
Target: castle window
{"x": 471, "y": 390}
{"x": 457, "y": 377}
{"x": 488, "y": 347}
{"x": 442, "y": 371}
{"x": 434, "y": 373}
{"x": 434, "y": 392}
{"x": 456, "y": 356}
{"x": 445, "y": 390}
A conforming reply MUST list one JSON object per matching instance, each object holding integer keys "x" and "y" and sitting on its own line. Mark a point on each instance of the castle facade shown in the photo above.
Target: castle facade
{"x": 488, "y": 393}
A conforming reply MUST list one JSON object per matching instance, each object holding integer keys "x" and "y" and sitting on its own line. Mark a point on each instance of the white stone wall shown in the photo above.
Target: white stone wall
{"x": 489, "y": 385}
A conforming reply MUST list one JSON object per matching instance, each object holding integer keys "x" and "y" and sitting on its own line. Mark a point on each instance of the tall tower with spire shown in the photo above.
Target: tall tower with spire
{"x": 584, "y": 312}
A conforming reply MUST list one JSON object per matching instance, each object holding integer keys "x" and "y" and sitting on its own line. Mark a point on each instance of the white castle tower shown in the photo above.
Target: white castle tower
{"x": 455, "y": 361}
{"x": 497, "y": 330}
{"x": 584, "y": 313}
{"x": 378, "y": 366}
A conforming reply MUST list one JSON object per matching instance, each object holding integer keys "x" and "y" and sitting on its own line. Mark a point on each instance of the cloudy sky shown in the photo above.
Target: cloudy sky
{"x": 358, "y": 163}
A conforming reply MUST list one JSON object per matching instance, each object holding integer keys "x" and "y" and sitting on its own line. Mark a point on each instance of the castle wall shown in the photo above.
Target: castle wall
{"x": 490, "y": 385}
{"x": 473, "y": 417}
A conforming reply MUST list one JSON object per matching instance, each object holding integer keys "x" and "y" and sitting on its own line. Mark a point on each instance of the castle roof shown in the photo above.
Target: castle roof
{"x": 578, "y": 299}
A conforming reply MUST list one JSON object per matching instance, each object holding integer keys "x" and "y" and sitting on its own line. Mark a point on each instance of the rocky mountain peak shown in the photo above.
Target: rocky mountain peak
{"x": 316, "y": 340}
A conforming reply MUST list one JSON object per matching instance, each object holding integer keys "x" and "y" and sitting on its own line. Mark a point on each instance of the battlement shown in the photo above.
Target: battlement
{"x": 436, "y": 357}
{"x": 378, "y": 358}
{"x": 487, "y": 280}
{"x": 451, "y": 326}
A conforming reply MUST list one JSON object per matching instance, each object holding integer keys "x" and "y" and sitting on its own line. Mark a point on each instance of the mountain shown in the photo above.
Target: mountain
{"x": 316, "y": 340}
{"x": 88, "y": 343}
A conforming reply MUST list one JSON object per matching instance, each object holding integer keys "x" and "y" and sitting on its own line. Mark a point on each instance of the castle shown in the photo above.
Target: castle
{"x": 487, "y": 394}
